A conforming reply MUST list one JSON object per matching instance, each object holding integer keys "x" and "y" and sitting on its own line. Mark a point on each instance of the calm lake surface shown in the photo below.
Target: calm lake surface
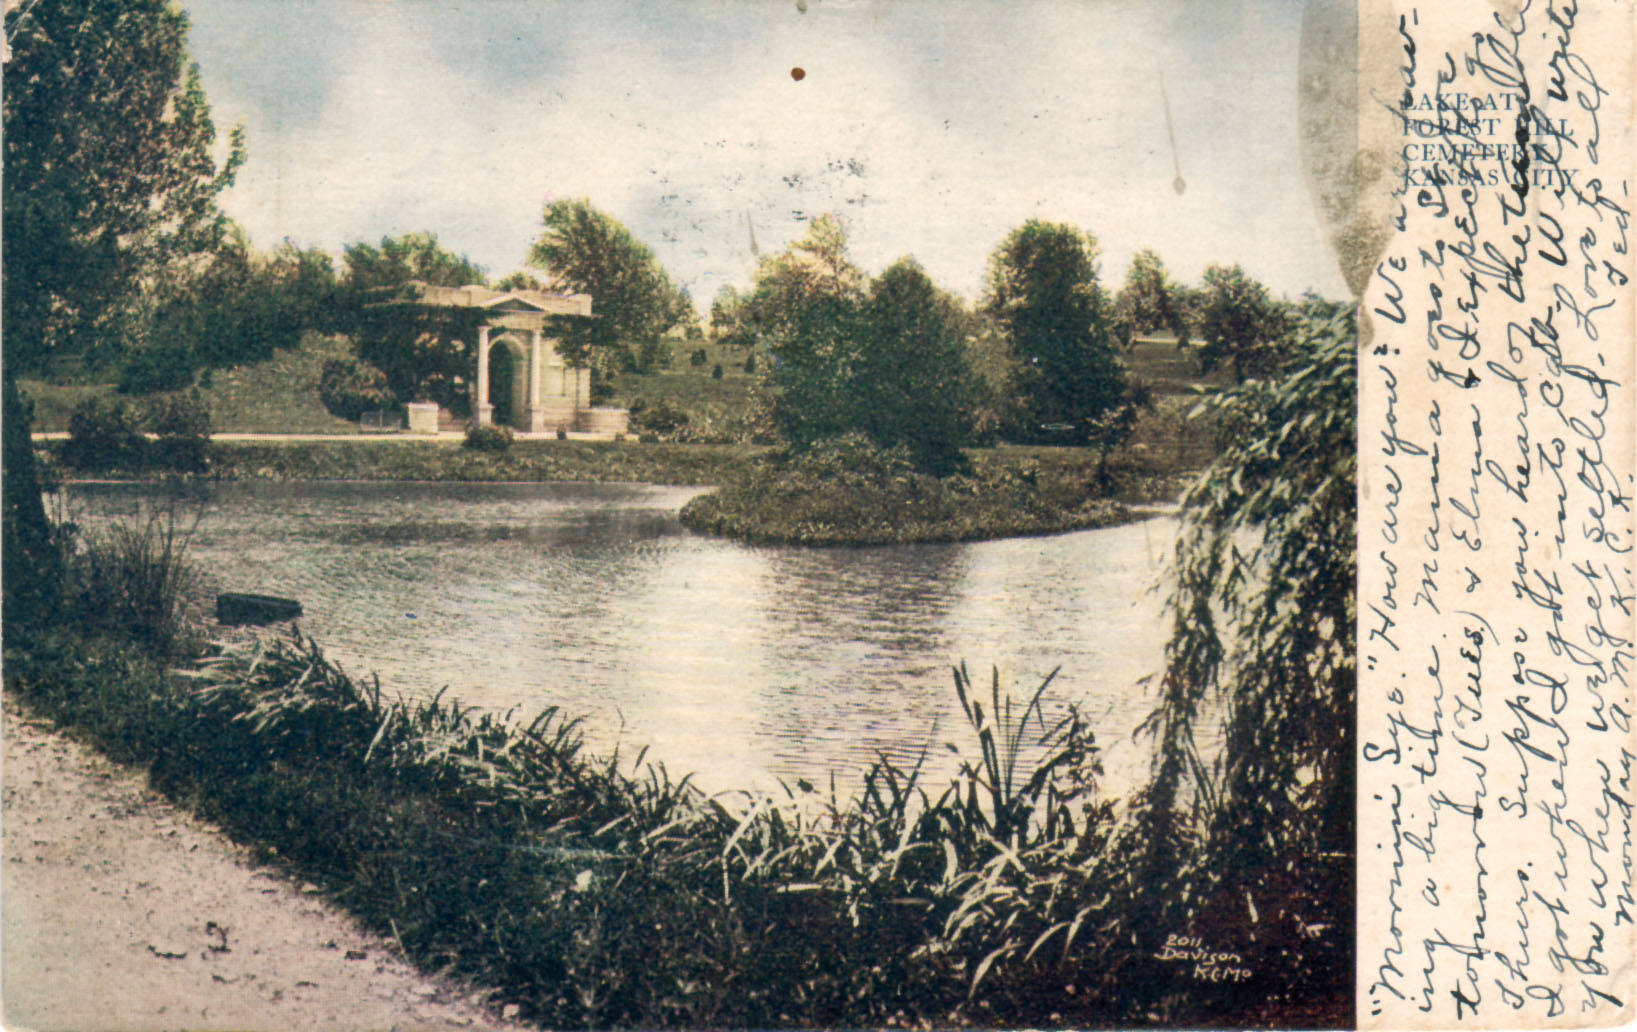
{"x": 743, "y": 664}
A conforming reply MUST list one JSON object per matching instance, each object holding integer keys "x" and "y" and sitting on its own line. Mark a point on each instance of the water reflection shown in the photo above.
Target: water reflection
{"x": 743, "y": 663}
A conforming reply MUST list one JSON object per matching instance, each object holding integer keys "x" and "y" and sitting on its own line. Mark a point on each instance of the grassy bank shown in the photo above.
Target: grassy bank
{"x": 279, "y": 395}
{"x": 523, "y": 461}
{"x": 847, "y": 493}
{"x": 596, "y": 892}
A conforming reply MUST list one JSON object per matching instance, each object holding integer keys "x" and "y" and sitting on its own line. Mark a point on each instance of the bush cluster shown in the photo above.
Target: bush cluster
{"x": 661, "y": 420}
{"x": 849, "y": 491}
{"x": 108, "y": 433}
{"x": 492, "y": 438}
{"x": 164, "y": 367}
{"x": 349, "y": 388}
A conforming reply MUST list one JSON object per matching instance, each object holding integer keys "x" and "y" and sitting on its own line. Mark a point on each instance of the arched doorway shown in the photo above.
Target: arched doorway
{"x": 508, "y": 380}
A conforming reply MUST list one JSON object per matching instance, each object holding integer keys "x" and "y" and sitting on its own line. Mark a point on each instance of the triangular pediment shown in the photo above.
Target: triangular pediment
{"x": 512, "y": 303}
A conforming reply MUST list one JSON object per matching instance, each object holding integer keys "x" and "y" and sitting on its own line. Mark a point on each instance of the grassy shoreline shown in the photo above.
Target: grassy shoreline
{"x": 598, "y": 892}
{"x": 761, "y": 497}
{"x": 847, "y": 493}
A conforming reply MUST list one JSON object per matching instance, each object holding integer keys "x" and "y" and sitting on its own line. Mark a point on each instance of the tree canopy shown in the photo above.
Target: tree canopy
{"x": 236, "y": 306}
{"x": 424, "y": 352}
{"x": 914, "y": 383}
{"x": 883, "y": 358}
{"x": 95, "y": 216}
{"x": 1043, "y": 290}
{"x": 110, "y": 184}
{"x": 587, "y": 251}
{"x": 412, "y": 256}
{"x": 805, "y": 308}
{"x": 1240, "y": 323}
{"x": 1151, "y": 300}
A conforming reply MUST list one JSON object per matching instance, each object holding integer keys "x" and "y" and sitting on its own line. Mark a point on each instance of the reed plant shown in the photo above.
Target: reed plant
{"x": 132, "y": 580}
{"x": 603, "y": 891}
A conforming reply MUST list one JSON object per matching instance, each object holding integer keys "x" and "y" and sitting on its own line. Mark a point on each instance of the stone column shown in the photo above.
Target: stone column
{"x": 534, "y": 368}
{"x": 482, "y": 410}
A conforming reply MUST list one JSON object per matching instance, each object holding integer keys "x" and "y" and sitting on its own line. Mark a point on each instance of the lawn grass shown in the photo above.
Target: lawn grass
{"x": 524, "y": 461}
{"x": 728, "y": 410}
{"x": 279, "y": 395}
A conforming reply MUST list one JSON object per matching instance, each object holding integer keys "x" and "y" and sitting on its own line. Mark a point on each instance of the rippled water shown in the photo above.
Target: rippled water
{"x": 741, "y": 663}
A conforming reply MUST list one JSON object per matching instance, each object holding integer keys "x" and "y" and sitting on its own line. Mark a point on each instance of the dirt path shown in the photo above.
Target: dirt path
{"x": 121, "y": 911}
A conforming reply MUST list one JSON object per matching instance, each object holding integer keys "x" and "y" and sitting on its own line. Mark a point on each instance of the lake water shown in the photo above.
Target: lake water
{"x": 743, "y": 664}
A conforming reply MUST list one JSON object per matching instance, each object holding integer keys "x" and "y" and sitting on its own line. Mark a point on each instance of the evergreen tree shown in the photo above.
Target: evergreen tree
{"x": 914, "y": 382}
{"x": 1065, "y": 334}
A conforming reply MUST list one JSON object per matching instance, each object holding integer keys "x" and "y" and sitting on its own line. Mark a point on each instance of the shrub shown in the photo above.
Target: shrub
{"x": 349, "y": 388}
{"x": 183, "y": 426}
{"x": 716, "y": 373}
{"x": 132, "y": 581}
{"x": 488, "y": 438}
{"x": 103, "y": 433}
{"x": 697, "y": 358}
{"x": 662, "y": 419}
{"x": 165, "y": 367}
{"x": 750, "y": 363}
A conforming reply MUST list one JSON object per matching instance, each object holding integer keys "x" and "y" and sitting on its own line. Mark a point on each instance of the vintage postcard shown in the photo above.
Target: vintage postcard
{"x": 818, "y": 513}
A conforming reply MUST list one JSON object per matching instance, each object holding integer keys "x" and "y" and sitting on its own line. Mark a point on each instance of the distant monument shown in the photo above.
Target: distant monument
{"x": 522, "y": 380}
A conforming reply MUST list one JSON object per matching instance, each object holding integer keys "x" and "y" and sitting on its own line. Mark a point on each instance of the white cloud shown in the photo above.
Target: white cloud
{"x": 933, "y": 129}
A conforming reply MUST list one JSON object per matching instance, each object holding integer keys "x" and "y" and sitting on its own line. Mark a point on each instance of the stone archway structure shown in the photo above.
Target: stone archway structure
{"x": 549, "y": 394}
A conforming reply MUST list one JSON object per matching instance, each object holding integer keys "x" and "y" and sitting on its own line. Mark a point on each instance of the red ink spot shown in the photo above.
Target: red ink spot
{"x": 798, "y": 74}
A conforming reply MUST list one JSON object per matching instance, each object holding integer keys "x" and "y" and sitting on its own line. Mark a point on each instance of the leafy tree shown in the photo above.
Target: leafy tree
{"x": 1044, "y": 292}
{"x": 806, "y": 308}
{"x": 413, "y": 256}
{"x": 110, "y": 183}
{"x": 687, "y": 316}
{"x": 885, "y": 358}
{"x": 520, "y": 280}
{"x": 914, "y": 383}
{"x": 1258, "y": 846}
{"x": 423, "y": 350}
{"x": 1240, "y": 324}
{"x": 587, "y": 251}
{"x": 726, "y": 312}
{"x": 1151, "y": 300}
{"x": 235, "y": 308}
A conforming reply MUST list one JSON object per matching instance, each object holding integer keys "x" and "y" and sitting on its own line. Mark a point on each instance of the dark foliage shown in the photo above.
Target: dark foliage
{"x": 488, "y": 438}
{"x": 1064, "y": 332}
{"x": 349, "y": 388}
{"x": 885, "y": 359}
{"x": 1242, "y": 327}
{"x": 110, "y": 184}
{"x": 104, "y": 434}
{"x": 160, "y": 367}
{"x": 423, "y": 351}
{"x": 182, "y": 426}
{"x": 1263, "y": 605}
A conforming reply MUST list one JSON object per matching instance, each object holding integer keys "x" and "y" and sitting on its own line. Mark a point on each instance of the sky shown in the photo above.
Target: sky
{"x": 931, "y": 128}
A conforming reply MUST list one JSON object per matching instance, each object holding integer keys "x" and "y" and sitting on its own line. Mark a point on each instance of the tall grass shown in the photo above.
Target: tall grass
{"x": 603, "y": 891}
{"x": 131, "y": 579}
